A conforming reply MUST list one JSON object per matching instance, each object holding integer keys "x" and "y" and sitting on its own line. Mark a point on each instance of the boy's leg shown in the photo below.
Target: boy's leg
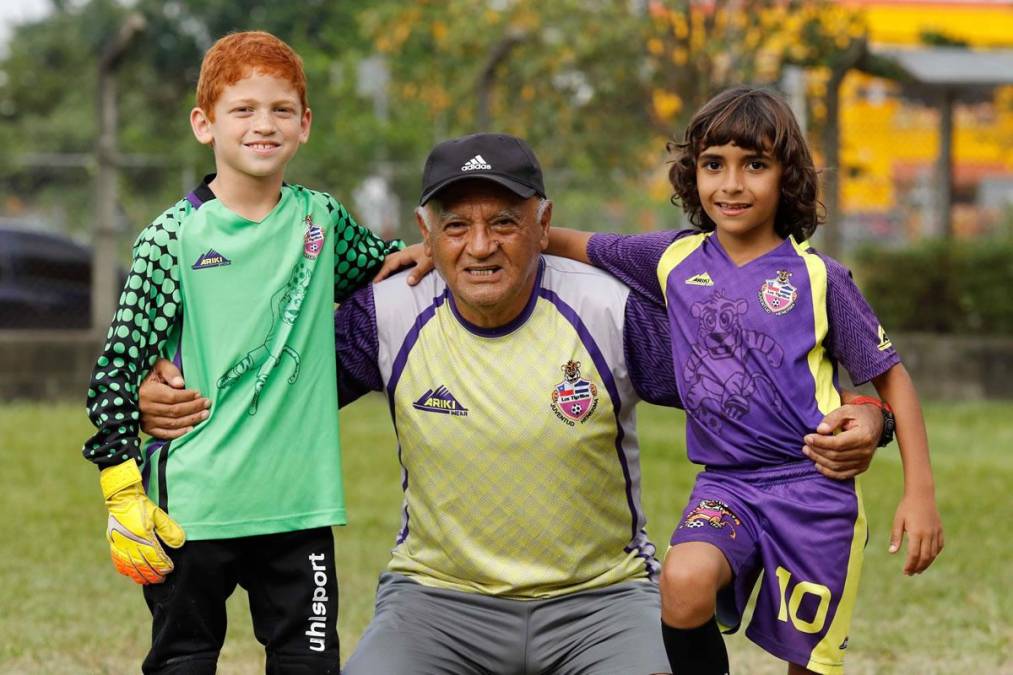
{"x": 693, "y": 574}
{"x": 709, "y": 570}
{"x": 812, "y": 558}
{"x": 188, "y": 609}
{"x": 293, "y": 589}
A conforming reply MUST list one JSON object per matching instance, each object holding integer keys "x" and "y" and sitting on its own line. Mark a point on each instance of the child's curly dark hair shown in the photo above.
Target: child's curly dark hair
{"x": 755, "y": 119}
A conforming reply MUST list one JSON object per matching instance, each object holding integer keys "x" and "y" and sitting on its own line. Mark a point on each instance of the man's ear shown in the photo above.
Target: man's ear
{"x": 545, "y": 223}
{"x": 424, "y": 231}
{"x": 201, "y": 126}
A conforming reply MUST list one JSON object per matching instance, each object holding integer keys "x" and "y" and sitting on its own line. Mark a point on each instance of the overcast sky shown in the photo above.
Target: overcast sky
{"x": 13, "y": 12}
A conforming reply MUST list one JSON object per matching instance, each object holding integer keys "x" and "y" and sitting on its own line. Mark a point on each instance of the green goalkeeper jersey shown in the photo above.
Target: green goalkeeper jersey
{"x": 245, "y": 309}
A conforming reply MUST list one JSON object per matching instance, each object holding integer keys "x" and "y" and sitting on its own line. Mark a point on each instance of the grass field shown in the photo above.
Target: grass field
{"x": 63, "y": 609}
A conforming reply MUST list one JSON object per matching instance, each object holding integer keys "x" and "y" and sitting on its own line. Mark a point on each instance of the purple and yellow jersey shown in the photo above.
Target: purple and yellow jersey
{"x": 520, "y": 463}
{"x": 755, "y": 347}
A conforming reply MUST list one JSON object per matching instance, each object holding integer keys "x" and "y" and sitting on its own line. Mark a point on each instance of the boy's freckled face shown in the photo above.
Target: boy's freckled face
{"x": 259, "y": 125}
{"x": 739, "y": 189}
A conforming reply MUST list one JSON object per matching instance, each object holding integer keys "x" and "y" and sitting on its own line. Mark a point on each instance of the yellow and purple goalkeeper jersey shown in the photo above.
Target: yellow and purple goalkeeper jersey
{"x": 520, "y": 464}
{"x": 755, "y": 347}
{"x": 245, "y": 308}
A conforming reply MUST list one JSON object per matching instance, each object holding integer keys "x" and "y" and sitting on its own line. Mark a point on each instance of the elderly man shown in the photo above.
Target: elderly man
{"x": 512, "y": 378}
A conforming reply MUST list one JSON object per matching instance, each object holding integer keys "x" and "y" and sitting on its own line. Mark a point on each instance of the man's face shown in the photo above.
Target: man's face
{"x": 486, "y": 242}
{"x": 259, "y": 124}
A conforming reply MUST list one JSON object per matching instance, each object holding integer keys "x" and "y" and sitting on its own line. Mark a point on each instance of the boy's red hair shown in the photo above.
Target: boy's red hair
{"x": 236, "y": 56}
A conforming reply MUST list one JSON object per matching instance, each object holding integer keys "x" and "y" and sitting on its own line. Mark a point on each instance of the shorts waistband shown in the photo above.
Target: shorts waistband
{"x": 780, "y": 473}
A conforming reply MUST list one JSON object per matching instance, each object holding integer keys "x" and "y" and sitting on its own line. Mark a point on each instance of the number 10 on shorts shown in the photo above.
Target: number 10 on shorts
{"x": 798, "y": 593}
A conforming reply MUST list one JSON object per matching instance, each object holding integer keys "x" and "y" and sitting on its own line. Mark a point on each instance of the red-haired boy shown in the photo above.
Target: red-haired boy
{"x": 235, "y": 282}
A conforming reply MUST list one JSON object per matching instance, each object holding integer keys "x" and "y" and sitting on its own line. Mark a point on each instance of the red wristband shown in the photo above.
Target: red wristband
{"x": 871, "y": 400}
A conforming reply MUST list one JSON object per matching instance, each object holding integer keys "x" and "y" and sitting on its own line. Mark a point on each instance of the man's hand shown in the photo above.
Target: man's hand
{"x": 167, "y": 409}
{"x": 847, "y": 453}
{"x": 134, "y": 521}
{"x": 412, "y": 255}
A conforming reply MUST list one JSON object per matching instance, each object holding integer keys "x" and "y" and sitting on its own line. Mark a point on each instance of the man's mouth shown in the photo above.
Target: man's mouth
{"x": 480, "y": 272}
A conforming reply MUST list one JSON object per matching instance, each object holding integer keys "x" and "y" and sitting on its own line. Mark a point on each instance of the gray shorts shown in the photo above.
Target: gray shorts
{"x": 419, "y": 630}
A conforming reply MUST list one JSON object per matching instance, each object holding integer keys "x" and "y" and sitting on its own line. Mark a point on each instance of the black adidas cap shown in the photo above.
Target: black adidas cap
{"x": 497, "y": 157}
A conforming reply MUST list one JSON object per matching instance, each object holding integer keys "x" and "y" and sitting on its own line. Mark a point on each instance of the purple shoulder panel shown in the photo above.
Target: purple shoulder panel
{"x": 856, "y": 339}
{"x": 648, "y": 350}
{"x": 357, "y": 347}
{"x": 633, "y": 258}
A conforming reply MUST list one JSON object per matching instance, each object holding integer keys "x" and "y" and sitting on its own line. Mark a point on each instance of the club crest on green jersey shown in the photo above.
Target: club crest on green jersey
{"x": 313, "y": 242}
{"x": 777, "y": 295}
{"x": 575, "y": 398}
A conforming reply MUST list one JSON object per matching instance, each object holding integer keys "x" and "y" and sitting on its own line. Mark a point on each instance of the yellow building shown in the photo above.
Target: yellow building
{"x": 889, "y": 146}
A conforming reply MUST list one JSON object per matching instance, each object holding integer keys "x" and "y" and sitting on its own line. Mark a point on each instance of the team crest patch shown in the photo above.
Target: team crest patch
{"x": 440, "y": 400}
{"x": 575, "y": 398}
{"x": 313, "y": 242}
{"x": 713, "y": 513}
{"x": 777, "y": 295}
{"x": 211, "y": 259}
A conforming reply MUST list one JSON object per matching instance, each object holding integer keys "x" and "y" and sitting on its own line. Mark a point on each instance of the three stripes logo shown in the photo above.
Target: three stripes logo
{"x": 476, "y": 163}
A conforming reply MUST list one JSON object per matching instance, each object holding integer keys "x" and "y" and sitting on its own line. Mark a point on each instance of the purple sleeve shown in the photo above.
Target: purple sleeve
{"x": 357, "y": 347}
{"x": 648, "y": 350}
{"x": 856, "y": 338}
{"x": 632, "y": 258}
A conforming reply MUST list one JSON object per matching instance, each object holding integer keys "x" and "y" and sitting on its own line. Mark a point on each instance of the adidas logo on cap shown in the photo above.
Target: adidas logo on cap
{"x": 475, "y": 163}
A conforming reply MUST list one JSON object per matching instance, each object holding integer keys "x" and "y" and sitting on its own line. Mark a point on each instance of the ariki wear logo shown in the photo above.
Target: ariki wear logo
{"x": 703, "y": 279}
{"x": 475, "y": 163}
{"x": 313, "y": 242}
{"x": 575, "y": 398}
{"x": 211, "y": 259}
{"x": 440, "y": 401}
{"x": 713, "y": 513}
{"x": 884, "y": 341}
{"x": 777, "y": 295}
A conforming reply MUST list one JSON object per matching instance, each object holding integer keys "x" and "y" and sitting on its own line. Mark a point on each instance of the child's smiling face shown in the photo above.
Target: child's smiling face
{"x": 739, "y": 190}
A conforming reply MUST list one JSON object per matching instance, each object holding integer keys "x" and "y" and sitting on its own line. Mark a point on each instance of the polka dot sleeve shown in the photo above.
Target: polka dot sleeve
{"x": 148, "y": 310}
{"x": 358, "y": 253}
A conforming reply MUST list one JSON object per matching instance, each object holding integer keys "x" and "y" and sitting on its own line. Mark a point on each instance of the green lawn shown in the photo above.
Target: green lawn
{"x": 65, "y": 610}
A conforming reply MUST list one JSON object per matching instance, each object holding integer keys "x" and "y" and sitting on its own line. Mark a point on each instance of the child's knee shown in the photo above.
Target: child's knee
{"x": 689, "y": 585}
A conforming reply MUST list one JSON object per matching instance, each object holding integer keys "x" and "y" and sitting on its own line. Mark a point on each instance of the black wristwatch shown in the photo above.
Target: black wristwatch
{"x": 889, "y": 423}
{"x": 889, "y": 426}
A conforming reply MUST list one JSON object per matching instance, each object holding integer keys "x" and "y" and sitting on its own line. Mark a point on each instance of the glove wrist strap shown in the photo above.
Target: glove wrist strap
{"x": 115, "y": 478}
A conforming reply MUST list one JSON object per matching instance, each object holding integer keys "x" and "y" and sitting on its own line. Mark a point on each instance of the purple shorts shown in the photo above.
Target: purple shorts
{"x": 806, "y": 533}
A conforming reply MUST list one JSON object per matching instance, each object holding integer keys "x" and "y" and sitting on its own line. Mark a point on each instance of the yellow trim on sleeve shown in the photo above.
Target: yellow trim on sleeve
{"x": 827, "y": 656}
{"x": 675, "y": 254}
{"x": 827, "y": 396}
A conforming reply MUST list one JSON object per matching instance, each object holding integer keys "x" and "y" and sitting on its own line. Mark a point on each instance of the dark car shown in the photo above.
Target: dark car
{"x": 45, "y": 280}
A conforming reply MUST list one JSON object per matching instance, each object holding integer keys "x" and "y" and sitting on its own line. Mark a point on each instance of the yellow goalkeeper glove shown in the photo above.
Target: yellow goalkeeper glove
{"x": 134, "y": 520}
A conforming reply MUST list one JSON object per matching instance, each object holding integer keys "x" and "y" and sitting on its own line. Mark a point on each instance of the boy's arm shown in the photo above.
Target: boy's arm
{"x": 147, "y": 312}
{"x": 358, "y": 253}
{"x": 917, "y": 513}
{"x": 569, "y": 243}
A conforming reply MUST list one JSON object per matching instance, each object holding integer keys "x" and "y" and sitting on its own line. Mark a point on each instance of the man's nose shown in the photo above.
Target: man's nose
{"x": 482, "y": 243}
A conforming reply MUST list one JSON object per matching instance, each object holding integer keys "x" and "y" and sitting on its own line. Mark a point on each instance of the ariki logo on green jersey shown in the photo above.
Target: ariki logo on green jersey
{"x": 211, "y": 259}
{"x": 702, "y": 279}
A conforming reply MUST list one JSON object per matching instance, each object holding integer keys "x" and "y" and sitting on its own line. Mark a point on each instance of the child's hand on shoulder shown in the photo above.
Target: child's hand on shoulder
{"x": 918, "y": 516}
{"x": 411, "y": 256}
